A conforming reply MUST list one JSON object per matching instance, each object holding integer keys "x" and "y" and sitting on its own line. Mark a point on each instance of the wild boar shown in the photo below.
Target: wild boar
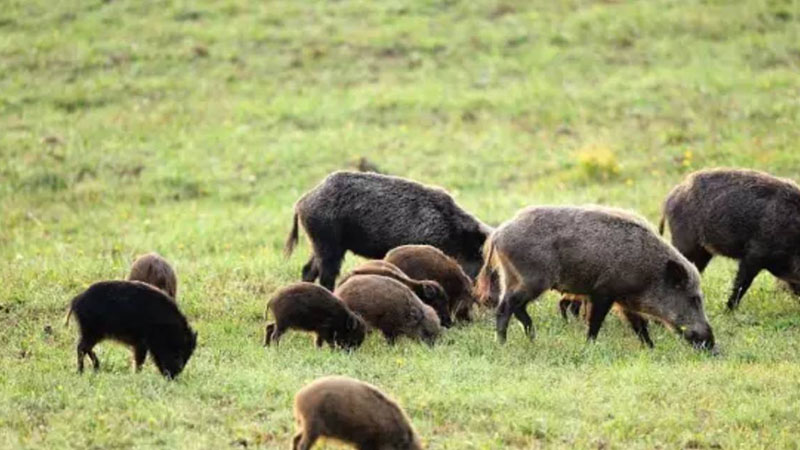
{"x": 430, "y": 292}
{"x": 152, "y": 269}
{"x": 353, "y": 412}
{"x": 370, "y": 214}
{"x": 308, "y": 307}
{"x": 606, "y": 254}
{"x": 424, "y": 262}
{"x": 741, "y": 214}
{"x": 391, "y": 307}
{"x": 136, "y": 314}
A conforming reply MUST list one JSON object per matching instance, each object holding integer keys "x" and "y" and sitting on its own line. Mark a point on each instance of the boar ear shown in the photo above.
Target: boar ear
{"x": 676, "y": 274}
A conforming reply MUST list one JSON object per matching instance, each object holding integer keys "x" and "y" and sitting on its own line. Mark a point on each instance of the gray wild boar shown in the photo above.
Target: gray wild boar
{"x": 152, "y": 269}
{"x": 136, "y": 314}
{"x": 606, "y": 254}
{"x": 430, "y": 292}
{"x": 370, "y": 214}
{"x": 353, "y": 412}
{"x": 742, "y": 214}
{"x": 424, "y": 262}
{"x": 391, "y": 307}
{"x": 308, "y": 307}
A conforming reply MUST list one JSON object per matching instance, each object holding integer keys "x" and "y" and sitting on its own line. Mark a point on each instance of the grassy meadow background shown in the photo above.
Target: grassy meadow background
{"x": 190, "y": 128}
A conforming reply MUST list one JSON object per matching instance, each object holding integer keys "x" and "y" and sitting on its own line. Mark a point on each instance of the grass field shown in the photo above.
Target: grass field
{"x": 130, "y": 126}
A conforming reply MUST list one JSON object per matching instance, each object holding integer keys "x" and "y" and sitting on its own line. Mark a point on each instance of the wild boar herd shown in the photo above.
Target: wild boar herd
{"x": 430, "y": 262}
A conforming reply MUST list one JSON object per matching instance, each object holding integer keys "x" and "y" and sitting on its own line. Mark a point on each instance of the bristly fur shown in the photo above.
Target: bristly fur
{"x": 429, "y": 291}
{"x": 425, "y": 262}
{"x": 609, "y": 255}
{"x": 370, "y": 214}
{"x": 137, "y": 314}
{"x": 309, "y": 307}
{"x": 391, "y": 307}
{"x": 741, "y": 214}
{"x": 353, "y": 412}
{"x": 154, "y": 270}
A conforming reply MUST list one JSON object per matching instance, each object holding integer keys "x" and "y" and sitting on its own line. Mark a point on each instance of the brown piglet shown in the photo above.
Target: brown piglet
{"x": 352, "y": 412}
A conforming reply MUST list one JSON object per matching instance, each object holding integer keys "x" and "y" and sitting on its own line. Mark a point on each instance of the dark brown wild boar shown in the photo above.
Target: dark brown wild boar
{"x": 308, "y": 307}
{"x": 370, "y": 214}
{"x": 136, "y": 314}
{"x": 353, "y": 412}
{"x": 424, "y": 262}
{"x": 742, "y": 214}
{"x": 430, "y": 292}
{"x": 391, "y": 307}
{"x": 152, "y": 269}
{"x": 606, "y": 254}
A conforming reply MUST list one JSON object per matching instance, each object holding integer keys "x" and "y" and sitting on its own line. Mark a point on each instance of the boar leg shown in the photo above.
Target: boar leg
{"x": 563, "y": 306}
{"x": 510, "y": 304}
{"x": 81, "y": 357}
{"x": 502, "y": 316}
{"x": 391, "y": 337}
{"x": 521, "y": 314}
{"x": 463, "y": 312}
{"x": 310, "y": 270}
{"x": 597, "y": 313}
{"x": 276, "y": 335}
{"x": 330, "y": 264}
{"x": 296, "y": 440}
{"x": 85, "y": 347}
{"x": 744, "y": 278}
{"x": 139, "y": 355}
{"x": 95, "y": 361}
{"x": 567, "y": 304}
{"x": 639, "y": 326}
{"x": 326, "y": 336}
{"x": 268, "y": 334}
{"x": 304, "y": 440}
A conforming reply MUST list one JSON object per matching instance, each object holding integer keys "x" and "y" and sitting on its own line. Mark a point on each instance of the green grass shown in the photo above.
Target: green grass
{"x": 130, "y": 126}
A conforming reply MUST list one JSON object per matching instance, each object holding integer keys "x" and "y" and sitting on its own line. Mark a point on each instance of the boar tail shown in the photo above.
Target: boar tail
{"x": 67, "y": 316}
{"x": 291, "y": 241}
{"x": 483, "y": 284}
{"x": 661, "y": 224}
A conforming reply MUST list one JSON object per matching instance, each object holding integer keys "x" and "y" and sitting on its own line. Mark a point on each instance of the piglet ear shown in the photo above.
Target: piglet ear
{"x": 676, "y": 274}
{"x": 415, "y": 316}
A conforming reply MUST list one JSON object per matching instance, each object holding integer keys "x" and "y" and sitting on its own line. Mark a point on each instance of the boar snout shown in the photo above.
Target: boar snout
{"x": 701, "y": 337}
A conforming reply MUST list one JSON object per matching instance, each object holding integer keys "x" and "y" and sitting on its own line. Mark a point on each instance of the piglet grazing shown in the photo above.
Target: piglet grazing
{"x": 152, "y": 269}
{"x": 425, "y": 262}
{"x": 391, "y": 307}
{"x": 353, "y": 412}
{"x": 608, "y": 255}
{"x": 742, "y": 214}
{"x": 309, "y": 307}
{"x": 430, "y": 292}
{"x": 136, "y": 314}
